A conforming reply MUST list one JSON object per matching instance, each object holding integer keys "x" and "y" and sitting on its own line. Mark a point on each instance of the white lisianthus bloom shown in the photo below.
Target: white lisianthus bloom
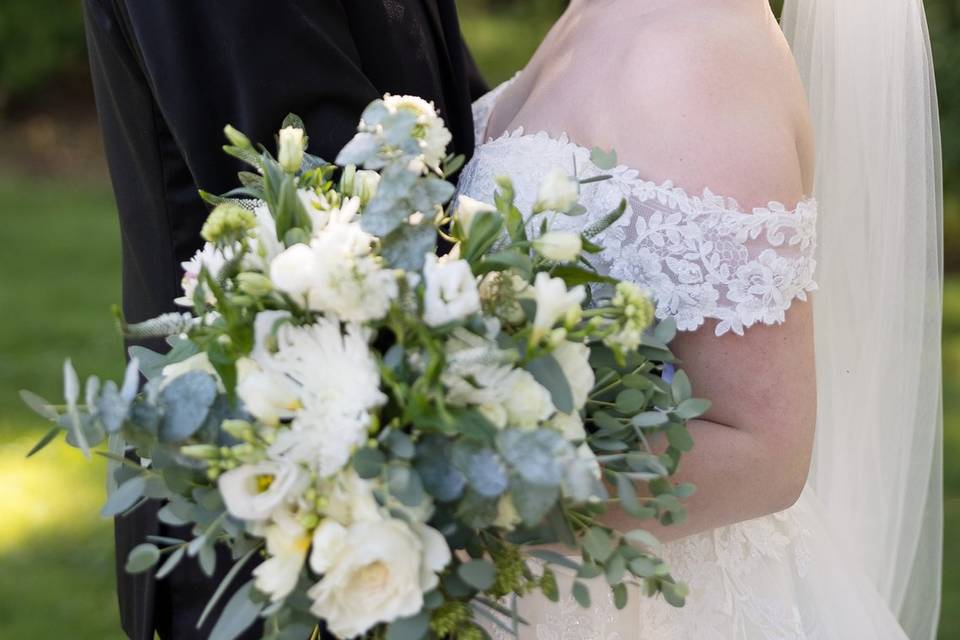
{"x": 198, "y": 362}
{"x": 451, "y": 291}
{"x": 287, "y": 545}
{"x": 433, "y": 136}
{"x": 380, "y": 572}
{"x": 558, "y": 192}
{"x": 267, "y": 395}
{"x": 559, "y": 246}
{"x": 574, "y": 359}
{"x": 467, "y": 210}
{"x": 336, "y": 398}
{"x": 210, "y": 257}
{"x": 256, "y": 491}
{"x": 294, "y": 272}
{"x": 290, "y": 153}
{"x": 528, "y": 402}
{"x": 554, "y": 301}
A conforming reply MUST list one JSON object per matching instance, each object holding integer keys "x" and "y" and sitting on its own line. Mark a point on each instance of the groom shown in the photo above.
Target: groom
{"x": 168, "y": 75}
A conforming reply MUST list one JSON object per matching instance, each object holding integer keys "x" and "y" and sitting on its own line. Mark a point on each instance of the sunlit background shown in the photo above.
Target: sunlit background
{"x": 59, "y": 274}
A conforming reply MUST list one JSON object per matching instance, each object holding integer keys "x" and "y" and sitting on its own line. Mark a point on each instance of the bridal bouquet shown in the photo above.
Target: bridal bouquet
{"x": 384, "y": 432}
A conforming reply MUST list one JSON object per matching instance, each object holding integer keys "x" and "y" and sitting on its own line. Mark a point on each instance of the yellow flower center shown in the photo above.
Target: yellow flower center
{"x": 264, "y": 481}
{"x": 372, "y": 577}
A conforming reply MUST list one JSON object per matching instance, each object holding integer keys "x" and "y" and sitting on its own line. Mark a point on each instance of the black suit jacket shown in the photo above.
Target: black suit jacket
{"x": 168, "y": 75}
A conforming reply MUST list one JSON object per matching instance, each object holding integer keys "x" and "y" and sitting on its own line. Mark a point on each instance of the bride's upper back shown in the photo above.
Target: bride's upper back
{"x": 701, "y": 92}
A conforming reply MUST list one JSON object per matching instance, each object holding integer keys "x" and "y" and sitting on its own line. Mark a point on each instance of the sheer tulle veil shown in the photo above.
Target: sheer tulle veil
{"x": 878, "y": 454}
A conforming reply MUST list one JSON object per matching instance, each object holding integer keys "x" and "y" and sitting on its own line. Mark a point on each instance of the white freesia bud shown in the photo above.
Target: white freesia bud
{"x": 559, "y": 246}
{"x": 290, "y": 154}
{"x": 255, "y": 491}
{"x": 467, "y": 210}
{"x": 558, "y": 192}
{"x": 294, "y": 271}
{"x": 451, "y": 291}
{"x": 236, "y": 138}
{"x": 554, "y": 301}
{"x": 365, "y": 185}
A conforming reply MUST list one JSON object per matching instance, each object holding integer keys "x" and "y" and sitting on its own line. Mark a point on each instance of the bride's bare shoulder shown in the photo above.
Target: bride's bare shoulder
{"x": 707, "y": 96}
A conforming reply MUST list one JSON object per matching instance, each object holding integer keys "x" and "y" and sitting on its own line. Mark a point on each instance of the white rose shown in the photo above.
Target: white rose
{"x": 198, "y": 362}
{"x": 287, "y": 544}
{"x": 574, "y": 359}
{"x": 554, "y": 301}
{"x": 290, "y": 154}
{"x": 255, "y": 491}
{"x": 528, "y": 403}
{"x": 559, "y": 246}
{"x": 558, "y": 192}
{"x": 467, "y": 210}
{"x": 451, "y": 291}
{"x": 350, "y": 499}
{"x": 375, "y": 572}
{"x": 267, "y": 395}
{"x": 294, "y": 271}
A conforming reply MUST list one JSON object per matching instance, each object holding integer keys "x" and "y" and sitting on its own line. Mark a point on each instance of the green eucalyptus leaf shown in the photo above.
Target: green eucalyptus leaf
{"x": 240, "y": 612}
{"x": 547, "y": 371}
{"x": 413, "y": 628}
{"x": 598, "y": 543}
{"x": 479, "y": 574}
{"x": 692, "y": 408}
{"x": 142, "y": 557}
{"x": 533, "y": 502}
{"x": 680, "y": 386}
{"x": 186, "y": 401}
{"x": 483, "y": 468}
{"x": 630, "y": 401}
{"x": 603, "y": 160}
{"x": 581, "y": 594}
{"x": 620, "y": 596}
{"x": 124, "y": 497}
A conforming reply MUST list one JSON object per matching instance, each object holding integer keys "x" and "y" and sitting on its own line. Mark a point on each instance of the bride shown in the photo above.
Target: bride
{"x": 706, "y": 106}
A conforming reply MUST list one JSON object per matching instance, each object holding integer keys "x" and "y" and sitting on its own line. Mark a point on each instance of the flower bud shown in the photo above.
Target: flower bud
{"x": 227, "y": 222}
{"x": 290, "y": 154}
{"x": 236, "y": 138}
{"x": 559, "y": 246}
{"x": 467, "y": 210}
{"x": 254, "y": 284}
{"x": 365, "y": 185}
{"x": 347, "y": 179}
{"x": 558, "y": 192}
{"x": 200, "y": 451}
{"x": 239, "y": 429}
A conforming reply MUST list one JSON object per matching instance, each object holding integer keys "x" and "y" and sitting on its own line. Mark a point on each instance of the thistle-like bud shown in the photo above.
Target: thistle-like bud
{"x": 227, "y": 223}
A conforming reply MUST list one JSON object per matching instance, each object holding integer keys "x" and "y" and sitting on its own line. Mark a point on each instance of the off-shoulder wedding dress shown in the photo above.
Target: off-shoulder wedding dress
{"x": 702, "y": 257}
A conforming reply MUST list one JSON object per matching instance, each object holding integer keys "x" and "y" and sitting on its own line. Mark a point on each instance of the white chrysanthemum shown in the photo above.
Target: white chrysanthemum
{"x": 374, "y": 572}
{"x": 210, "y": 257}
{"x": 265, "y": 246}
{"x": 256, "y": 491}
{"x": 432, "y": 135}
{"x": 287, "y": 545}
{"x": 574, "y": 359}
{"x": 528, "y": 402}
{"x": 554, "y": 302}
{"x": 339, "y": 385}
{"x": 450, "y": 291}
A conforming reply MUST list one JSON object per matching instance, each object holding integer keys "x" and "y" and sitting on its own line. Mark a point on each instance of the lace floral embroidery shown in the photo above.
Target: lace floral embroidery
{"x": 700, "y": 256}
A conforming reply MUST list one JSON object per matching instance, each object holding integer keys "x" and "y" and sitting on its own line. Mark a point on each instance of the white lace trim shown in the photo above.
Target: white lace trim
{"x": 699, "y": 256}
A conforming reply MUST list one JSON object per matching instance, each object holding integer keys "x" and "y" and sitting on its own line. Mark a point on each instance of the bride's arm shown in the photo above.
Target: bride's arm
{"x": 711, "y": 106}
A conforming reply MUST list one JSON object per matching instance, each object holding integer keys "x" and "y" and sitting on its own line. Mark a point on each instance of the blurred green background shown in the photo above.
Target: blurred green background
{"x": 59, "y": 274}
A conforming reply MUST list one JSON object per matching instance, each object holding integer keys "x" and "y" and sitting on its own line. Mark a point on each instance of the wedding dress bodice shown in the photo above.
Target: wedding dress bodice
{"x": 701, "y": 257}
